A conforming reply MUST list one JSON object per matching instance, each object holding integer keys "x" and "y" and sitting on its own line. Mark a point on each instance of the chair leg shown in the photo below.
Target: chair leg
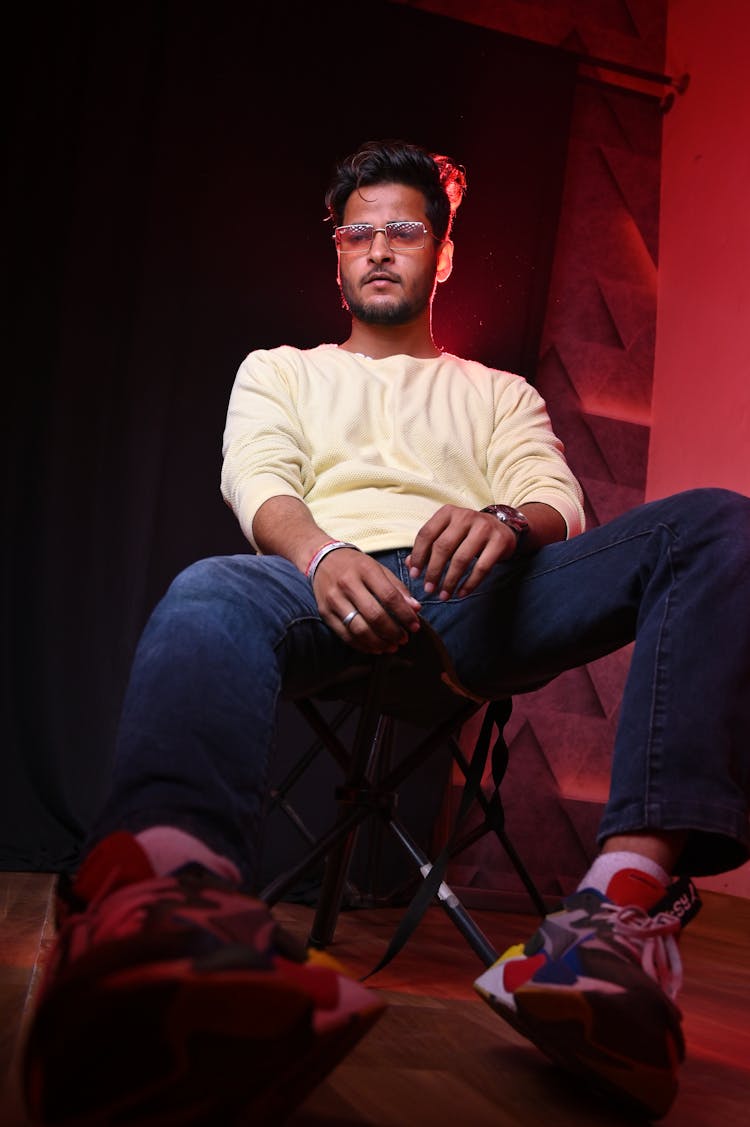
{"x": 496, "y": 825}
{"x": 448, "y": 900}
{"x": 356, "y": 796}
{"x": 376, "y": 826}
{"x": 331, "y": 893}
{"x": 339, "y": 859}
{"x": 277, "y": 888}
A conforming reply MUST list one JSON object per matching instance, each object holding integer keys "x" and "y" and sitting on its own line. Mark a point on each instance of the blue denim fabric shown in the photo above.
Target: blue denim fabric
{"x": 233, "y": 633}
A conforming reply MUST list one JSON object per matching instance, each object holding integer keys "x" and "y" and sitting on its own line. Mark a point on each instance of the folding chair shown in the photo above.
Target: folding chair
{"x": 417, "y": 687}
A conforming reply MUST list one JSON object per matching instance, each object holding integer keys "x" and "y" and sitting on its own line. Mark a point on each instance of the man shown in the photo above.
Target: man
{"x": 384, "y": 484}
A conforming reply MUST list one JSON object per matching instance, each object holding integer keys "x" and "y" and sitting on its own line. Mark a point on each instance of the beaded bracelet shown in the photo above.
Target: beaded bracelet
{"x": 329, "y": 546}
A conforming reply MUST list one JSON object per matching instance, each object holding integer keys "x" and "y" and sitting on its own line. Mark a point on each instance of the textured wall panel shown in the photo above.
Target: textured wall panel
{"x": 595, "y": 372}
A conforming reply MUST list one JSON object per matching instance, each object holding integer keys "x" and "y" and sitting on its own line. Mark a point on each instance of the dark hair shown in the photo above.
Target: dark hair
{"x": 441, "y": 181}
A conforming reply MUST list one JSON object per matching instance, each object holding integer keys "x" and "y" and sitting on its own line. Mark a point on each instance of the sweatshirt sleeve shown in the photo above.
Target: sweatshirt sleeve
{"x": 265, "y": 451}
{"x": 526, "y": 460}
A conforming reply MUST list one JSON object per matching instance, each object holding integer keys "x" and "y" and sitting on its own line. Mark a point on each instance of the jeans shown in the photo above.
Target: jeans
{"x": 232, "y": 634}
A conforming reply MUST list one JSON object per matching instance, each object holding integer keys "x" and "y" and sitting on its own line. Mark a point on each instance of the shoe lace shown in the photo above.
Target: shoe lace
{"x": 652, "y": 940}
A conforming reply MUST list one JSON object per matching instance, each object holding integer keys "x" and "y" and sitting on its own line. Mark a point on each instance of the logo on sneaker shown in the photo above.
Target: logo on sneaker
{"x": 681, "y": 900}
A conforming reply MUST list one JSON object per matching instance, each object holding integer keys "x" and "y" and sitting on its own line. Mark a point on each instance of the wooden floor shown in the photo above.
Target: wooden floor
{"x": 439, "y": 1057}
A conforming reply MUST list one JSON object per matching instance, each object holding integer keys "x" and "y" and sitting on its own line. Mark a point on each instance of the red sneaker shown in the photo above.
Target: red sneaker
{"x": 178, "y": 1000}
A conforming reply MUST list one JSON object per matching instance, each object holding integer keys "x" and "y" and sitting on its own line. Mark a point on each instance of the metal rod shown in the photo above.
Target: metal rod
{"x": 448, "y": 900}
{"x": 625, "y": 68}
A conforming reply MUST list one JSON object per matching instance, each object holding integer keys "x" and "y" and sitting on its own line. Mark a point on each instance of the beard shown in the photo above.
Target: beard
{"x": 398, "y": 311}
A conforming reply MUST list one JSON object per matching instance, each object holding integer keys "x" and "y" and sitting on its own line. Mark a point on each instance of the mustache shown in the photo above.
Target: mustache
{"x": 385, "y": 274}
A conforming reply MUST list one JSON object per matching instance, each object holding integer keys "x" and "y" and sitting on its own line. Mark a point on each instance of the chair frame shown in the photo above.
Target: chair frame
{"x": 369, "y": 791}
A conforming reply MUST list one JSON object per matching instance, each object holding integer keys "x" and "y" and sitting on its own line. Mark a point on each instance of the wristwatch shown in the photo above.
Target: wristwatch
{"x": 514, "y": 518}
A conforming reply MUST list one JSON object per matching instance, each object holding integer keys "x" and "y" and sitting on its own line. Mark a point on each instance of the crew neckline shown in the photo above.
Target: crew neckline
{"x": 364, "y": 356}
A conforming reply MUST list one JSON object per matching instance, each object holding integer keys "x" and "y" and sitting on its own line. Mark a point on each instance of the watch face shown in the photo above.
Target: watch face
{"x": 514, "y": 518}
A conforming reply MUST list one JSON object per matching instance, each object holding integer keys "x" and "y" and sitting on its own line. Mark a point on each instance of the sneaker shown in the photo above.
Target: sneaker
{"x": 595, "y": 987}
{"x": 178, "y": 1000}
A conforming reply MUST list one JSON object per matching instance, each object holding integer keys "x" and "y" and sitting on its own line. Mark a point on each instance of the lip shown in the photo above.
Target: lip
{"x": 374, "y": 278}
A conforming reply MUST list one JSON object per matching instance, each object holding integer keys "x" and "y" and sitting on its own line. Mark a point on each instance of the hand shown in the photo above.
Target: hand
{"x": 452, "y": 539}
{"x": 346, "y": 581}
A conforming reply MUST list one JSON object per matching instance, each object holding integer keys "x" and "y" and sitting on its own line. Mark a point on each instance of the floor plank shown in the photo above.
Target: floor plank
{"x": 439, "y": 1056}
{"x": 26, "y": 934}
{"x": 436, "y": 1026}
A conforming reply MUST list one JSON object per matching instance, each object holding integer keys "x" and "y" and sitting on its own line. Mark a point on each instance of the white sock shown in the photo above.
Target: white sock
{"x": 607, "y": 864}
{"x": 169, "y": 848}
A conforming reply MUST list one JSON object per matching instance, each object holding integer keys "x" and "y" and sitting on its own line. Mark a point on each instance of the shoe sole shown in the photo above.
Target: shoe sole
{"x": 234, "y": 1047}
{"x": 562, "y": 1025}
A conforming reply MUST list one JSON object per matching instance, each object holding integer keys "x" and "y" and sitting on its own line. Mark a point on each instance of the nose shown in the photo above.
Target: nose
{"x": 379, "y": 249}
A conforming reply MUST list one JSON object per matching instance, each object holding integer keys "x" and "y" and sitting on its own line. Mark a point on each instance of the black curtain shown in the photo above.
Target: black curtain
{"x": 167, "y": 168}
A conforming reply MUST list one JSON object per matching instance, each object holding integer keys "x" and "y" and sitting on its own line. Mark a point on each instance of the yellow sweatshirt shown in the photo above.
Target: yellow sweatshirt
{"x": 375, "y": 447}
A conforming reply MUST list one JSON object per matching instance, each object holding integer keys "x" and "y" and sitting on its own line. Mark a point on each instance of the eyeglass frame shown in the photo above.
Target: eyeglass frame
{"x": 384, "y": 231}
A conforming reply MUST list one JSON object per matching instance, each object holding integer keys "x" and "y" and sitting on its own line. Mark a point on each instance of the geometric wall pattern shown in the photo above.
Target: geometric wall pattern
{"x": 595, "y": 372}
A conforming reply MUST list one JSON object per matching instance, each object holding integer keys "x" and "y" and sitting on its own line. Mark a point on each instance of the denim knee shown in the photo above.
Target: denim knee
{"x": 713, "y": 521}
{"x": 725, "y": 510}
{"x": 205, "y": 580}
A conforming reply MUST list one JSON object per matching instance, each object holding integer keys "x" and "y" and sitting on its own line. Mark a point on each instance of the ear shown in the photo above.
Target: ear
{"x": 445, "y": 261}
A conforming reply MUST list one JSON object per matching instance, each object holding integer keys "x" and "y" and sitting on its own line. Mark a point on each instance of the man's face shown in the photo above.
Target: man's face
{"x": 381, "y": 286}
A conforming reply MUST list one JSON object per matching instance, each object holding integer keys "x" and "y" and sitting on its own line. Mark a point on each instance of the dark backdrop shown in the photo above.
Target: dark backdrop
{"x": 168, "y": 163}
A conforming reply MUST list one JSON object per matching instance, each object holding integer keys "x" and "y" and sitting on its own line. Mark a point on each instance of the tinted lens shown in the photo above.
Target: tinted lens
{"x": 405, "y": 235}
{"x": 357, "y": 236}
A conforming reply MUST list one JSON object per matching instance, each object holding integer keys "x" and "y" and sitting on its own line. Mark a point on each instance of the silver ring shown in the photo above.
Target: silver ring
{"x": 348, "y": 617}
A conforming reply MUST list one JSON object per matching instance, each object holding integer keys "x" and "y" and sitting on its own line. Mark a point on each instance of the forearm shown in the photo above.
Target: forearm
{"x": 284, "y": 526}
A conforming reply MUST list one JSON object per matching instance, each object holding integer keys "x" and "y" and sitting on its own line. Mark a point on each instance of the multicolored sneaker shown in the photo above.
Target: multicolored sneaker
{"x": 178, "y": 1000}
{"x": 595, "y": 987}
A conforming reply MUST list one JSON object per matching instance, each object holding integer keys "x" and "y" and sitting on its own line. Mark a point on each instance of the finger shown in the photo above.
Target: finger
{"x": 364, "y": 642}
{"x": 363, "y": 637}
{"x": 356, "y": 632}
{"x": 363, "y": 617}
{"x": 482, "y": 566}
{"x": 473, "y": 548}
{"x": 354, "y": 573}
{"x": 486, "y": 552}
{"x": 395, "y": 599}
{"x": 425, "y": 539}
{"x": 388, "y": 609}
{"x": 483, "y": 545}
{"x": 381, "y": 596}
{"x": 441, "y": 553}
{"x": 379, "y": 620}
{"x": 374, "y": 629}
